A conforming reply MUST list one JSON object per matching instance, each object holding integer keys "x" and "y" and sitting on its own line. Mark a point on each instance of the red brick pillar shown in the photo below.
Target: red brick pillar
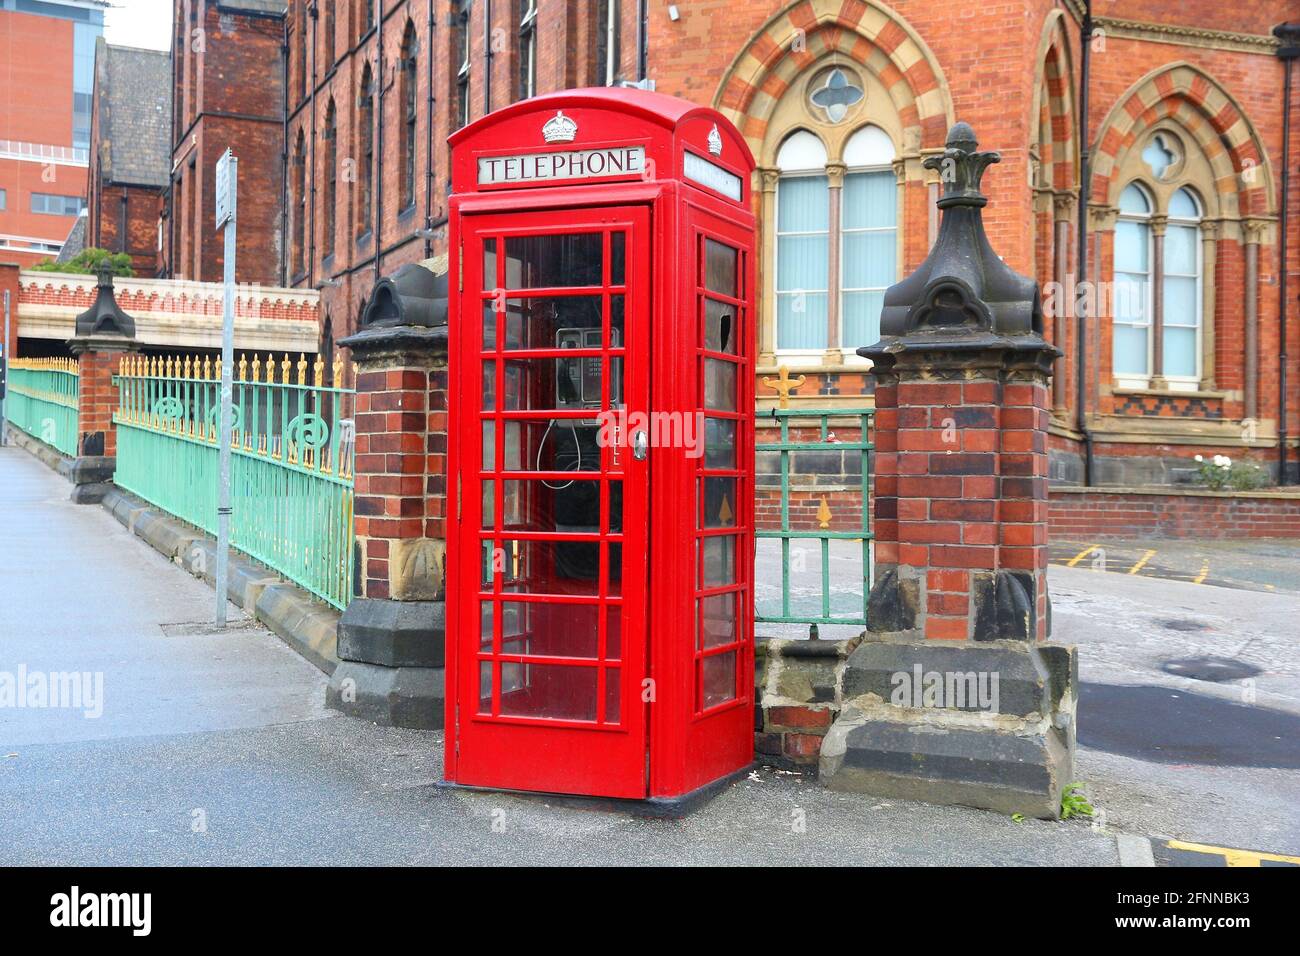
{"x": 104, "y": 334}
{"x": 961, "y": 498}
{"x": 9, "y": 283}
{"x": 391, "y": 635}
{"x": 955, "y": 695}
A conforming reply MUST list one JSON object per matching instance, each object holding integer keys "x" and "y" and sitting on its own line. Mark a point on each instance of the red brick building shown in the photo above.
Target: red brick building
{"x": 131, "y": 132}
{"x": 227, "y": 92}
{"x": 47, "y": 54}
{"x": 841, "y": 101}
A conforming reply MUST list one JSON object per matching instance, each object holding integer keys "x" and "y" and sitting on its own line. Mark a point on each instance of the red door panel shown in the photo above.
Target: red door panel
{"x": 551, "y": 591}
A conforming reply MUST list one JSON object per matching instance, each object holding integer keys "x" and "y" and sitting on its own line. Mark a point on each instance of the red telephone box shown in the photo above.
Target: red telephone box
{"x": 600, "y": 545}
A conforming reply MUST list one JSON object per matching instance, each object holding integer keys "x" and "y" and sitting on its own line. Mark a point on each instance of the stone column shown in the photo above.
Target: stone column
{"x": 1253, "y": 230}
{"x": 1062, "y": 216}
{"x": 955, "y": 696}
{"x": 1209, "y": 263}
{"x": 104, "y": 334}
{"x": 1158, "y": 227}
{"x": 391, "y": 635}
{"x": 835, "y": 189}
{"x": 767, "y": 223}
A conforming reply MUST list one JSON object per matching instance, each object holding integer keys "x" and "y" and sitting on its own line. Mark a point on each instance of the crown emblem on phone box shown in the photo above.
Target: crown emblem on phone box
{"x": 559, "y": 128}
{"x": 715, "y": 141}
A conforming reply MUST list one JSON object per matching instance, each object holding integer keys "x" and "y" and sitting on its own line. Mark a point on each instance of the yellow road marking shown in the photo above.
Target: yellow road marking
{"x": 1205, "y": 570}
{"x": 1234, "y": 857}
{"x": 1081, "y": 555}
{"x": 1141, "y": 562}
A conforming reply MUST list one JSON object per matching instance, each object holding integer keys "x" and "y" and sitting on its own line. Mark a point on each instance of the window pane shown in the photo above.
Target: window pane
{"x": 719, "y": 385}
{"x": 720, "y": 332}
{"x": 862, "y": 317}
{"x": 1180, "y": 250}
{"x": 870, "y": 200}
{"x": 1132, "y": 199}
{"x": 1131, "y": 246}
{"x": 801, "y": 320}
{"x": 719, "y": 679}
{"x": 719, "y": 502}
{"x": 548, "y": 567}
{"x": 1180, "y": 301}
{"x": 803, "y": 204}
{"x": 869, "y": 260}
{"x": 559, "y": 322}
{"x": 571, "y": 506}
{"x": 553, "y": 261}
{"x": 719, "y": 620}
{"x": 719, "y": 443}
{"x": 718, "y": 556}
{"x": 801, "y": 263}
{"x": 1130, "y": 350}
{"x": 1130, "y": 298}
{"x": 1180, "y": 351}
{"x": 617, "y": 257}
{"x": 719, "y": 268}
{"x": 552, "y": 690}
{"x": 489, "y": 264}
{"x": 1182, "y": 205}
{"x": 613, "y": 695}
{"x": 549, "y": 630}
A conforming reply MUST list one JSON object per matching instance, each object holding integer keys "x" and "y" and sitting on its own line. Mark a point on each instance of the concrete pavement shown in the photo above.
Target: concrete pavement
{"x": 215, "y": 748}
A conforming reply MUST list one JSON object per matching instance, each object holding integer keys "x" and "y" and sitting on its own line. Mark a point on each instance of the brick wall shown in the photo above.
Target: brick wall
{"x": 1130, "y": 513}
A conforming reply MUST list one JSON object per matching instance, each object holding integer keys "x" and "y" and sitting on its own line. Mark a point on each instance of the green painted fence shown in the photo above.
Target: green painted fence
{"x": 808, "y": 431}
{"x": 291, "y": 469}
{"x": 42, "y": 400}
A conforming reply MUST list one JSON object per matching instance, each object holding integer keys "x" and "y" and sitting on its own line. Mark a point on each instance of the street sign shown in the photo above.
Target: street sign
{"x": 227, "y": 193}
{"x": 227, "y": 178}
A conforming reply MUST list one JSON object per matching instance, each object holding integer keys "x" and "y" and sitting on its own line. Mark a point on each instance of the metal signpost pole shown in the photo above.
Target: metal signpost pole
{"x": 227, "y": 188}
{"x": 4, "y": 376}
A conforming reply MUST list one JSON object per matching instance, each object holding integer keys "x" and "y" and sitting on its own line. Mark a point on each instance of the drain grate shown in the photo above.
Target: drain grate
{"x": 206, "y": 628}
{"x": 1213, "y": 669}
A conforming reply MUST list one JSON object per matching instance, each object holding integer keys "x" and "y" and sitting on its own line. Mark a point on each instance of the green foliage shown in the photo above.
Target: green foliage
{"x": 87, "y": 262}
{"x": 1221, "y": 472}
{"x": 1074, "y": 803}
{"x": 1017, "y": 818}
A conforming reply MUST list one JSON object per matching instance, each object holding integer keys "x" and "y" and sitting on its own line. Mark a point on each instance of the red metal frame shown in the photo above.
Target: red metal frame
{"x": 668, "y": 740}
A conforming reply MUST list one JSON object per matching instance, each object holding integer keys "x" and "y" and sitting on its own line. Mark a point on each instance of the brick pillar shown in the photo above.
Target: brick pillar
{"x": 9, "y": 283}
{"x": 958, "y": 617}
{"x": 104, "y": 334}
{"x": 391, "y": 636}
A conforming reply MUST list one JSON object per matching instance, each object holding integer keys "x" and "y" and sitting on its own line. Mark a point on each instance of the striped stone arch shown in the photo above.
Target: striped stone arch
{"x": 1195, "y": 101}
{"x": 865, "y": 31}
{"x": 1053, "y": 117}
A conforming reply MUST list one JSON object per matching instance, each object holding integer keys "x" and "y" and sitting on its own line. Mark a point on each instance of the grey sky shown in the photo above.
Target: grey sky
{"x": 140, "y": 23}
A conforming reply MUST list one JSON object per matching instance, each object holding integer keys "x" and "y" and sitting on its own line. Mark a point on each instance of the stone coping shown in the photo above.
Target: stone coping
{"x": 1282, "y": 494}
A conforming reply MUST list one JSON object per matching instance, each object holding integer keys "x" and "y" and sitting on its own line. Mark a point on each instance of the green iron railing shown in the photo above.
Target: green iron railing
{"x": 813, "y": 435}
{"x": 42, "y": 400}
{"x": 291, "y": 481}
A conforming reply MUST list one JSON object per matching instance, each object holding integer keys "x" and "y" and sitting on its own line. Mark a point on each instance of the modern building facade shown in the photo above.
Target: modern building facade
{"x": 47, "y": 54}
{"x": 841, "y": 101}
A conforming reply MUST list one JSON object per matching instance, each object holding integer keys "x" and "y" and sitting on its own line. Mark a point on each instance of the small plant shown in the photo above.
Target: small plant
{"x": 1222, "y": 472}
{"x": 1074, "y": 803}
{"x": 1017, "y": 818}
{"x": 87, "y": 262}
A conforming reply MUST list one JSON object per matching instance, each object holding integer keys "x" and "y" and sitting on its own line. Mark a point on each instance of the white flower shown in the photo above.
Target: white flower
{"x": 1200, "y": 458}
{"x": 1223, "y": 461}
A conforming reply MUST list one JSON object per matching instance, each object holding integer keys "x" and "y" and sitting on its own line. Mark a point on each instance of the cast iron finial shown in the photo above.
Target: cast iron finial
{"x": 963, "y": 297}
{"x": 961, "y": 168}
{"x": 105, "y": 317}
